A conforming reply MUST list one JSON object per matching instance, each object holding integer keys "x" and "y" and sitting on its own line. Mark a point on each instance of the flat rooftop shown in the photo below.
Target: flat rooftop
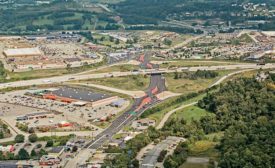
{"x": 22, "y": 52}
{"x": 80, "y": 94}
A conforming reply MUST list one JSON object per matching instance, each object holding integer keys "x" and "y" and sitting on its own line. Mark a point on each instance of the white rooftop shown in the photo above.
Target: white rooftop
{"x": 22, "y": 52}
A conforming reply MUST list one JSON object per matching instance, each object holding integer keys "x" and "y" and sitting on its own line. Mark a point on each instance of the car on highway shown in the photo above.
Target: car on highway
{"x": 184, "y": 69}
{"x": 47, "y": 81}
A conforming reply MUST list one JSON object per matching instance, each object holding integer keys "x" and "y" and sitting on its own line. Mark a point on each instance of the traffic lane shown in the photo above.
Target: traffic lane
{"x": 126, "y": 117}
{"x": 61, "y": 79}
{"x": 115, "y": 124}
{"x": 108, "y": 135}
{"x": 157, "y": 80}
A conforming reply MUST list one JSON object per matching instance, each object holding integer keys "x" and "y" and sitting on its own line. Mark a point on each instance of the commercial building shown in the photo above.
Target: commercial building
{"x": 56, "y": 151}
{"x": 79, "y": 97}
{"x": 22, "y": 52}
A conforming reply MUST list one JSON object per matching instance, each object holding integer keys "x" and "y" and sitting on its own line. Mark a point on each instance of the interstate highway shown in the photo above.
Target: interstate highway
{"x": 65, "y": 78}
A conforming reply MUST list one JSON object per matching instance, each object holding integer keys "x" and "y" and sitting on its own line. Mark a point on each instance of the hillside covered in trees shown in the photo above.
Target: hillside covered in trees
{"x": 151, "y": 11}
{"x": 245, "y": 110}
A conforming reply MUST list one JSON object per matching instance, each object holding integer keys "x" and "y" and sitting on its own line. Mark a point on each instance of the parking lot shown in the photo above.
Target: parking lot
{"x": 14, "y": 104}
{"x": 71, "y": 111}
{"x": 55, "y": 51}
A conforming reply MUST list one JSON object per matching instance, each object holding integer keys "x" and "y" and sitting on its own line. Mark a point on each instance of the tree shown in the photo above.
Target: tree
{"x": 38, "y": 146}
{"x": 129, "y": 41}
{"x": 176, "y": 75}
{"x": 2, "y": 157}
{"x": 1, "y": 135}
{"x": 42, "y": 152}
{"x": 49, "y": 143}
{"x": 179, "y": 156}
{"x": 169, "y": 162}
{"x": 167, "y": 42}
{"x": 135, "y": 39}
{"x": 102, "y": 38}
{"x": 117, "y": 41}
{"x": 162, "y": 155}
{"x": 33, "y": 138}
{"x": 23, "y": 154}
{"x": 10, "y": 156}
{"x": 69, "y": 67}
{"x": 19, "y": 138}
{"x": 111, "y": 38}
{"x": 31, "y": 130}
{"x": 135, "y": 163}
{"x": 74, "y": 149}
{"x": 33, "y": 153}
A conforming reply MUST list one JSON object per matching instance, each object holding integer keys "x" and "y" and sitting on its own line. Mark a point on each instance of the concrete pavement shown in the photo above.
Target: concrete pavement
{"x": 65, "y": 78}
{"x": 135, "y": 94}
{"x": 228, "y": 75}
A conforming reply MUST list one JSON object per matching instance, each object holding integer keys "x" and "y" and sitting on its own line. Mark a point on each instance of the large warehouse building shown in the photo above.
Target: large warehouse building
{"x": 22, "y": 52}
{"x": 79, "y": 96}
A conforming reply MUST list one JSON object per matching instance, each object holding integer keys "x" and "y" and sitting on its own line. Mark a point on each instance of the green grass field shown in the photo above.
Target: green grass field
{"x": 191, "y": 113}
{"x": 159, "y": 115}
{"x": 34, "y": 74}
{"x": 194, "y": 165}
{"x": 186, "y": 86}
{"x": 192, "y": 63}
{"x": 105, "y": 39}
{"x": 116, "y": 68}
{"x": 203, "y": 148}
{"x": 133, "y": 83}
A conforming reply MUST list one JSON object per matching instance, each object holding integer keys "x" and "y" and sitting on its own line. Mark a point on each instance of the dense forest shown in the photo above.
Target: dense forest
{"x": 245, "y": 110}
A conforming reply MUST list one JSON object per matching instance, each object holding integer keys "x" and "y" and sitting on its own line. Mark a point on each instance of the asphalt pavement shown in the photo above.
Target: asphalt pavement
{"x": 156, "y": 81}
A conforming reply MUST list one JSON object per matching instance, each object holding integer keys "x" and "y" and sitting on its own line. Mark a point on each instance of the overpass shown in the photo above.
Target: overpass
{"x": 81, "y": 76}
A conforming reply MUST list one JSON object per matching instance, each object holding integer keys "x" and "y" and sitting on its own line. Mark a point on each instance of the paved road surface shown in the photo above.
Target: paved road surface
{"x": 228, "y": 75}
{"x": 134, "y": 94}
{"x": 65, "y": 78}
{"x": 156, "y": 80}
